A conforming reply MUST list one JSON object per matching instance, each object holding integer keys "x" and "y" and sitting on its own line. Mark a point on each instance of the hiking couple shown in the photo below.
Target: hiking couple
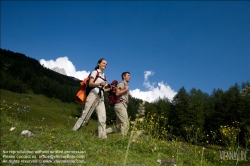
{"x": 95, "y": 101}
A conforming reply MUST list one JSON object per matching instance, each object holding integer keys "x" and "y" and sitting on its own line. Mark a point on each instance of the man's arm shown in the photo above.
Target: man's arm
{"x": 120, "y": 92}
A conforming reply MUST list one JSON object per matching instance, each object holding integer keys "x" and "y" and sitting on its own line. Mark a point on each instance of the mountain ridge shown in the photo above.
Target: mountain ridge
{"x": 59, "y": 70}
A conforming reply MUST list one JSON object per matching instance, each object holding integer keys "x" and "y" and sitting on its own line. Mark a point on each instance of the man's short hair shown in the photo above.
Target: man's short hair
{"x": 124, "y": 73}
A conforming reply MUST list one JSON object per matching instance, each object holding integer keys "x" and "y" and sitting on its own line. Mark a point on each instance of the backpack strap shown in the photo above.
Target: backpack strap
{"x": 98, "y": 75}
{"x": 100, "y": 88}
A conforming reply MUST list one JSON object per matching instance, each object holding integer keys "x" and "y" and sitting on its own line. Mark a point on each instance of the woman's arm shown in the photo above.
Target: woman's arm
{"x": 106, "y": 89}
{"x": 93, "y": 84}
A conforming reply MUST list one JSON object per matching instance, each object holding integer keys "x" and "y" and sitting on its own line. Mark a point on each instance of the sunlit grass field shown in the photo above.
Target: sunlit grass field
{"x": 54, "y": 143}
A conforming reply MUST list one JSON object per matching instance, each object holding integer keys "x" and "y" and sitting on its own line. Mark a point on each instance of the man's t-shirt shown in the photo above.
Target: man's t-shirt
{"x": 121, "y": 86}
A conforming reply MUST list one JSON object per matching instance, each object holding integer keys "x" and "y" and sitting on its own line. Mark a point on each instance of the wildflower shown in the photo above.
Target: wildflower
{"x": 132, "y": 122}
{"x": 140, "y": 119}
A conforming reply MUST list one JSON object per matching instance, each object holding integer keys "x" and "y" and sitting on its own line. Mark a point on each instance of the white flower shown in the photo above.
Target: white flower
{"x": 140, "y": 119}
{"x": 12, "y": 128}
{"x": 159, "y": 161}
{"x": 132, "y": 122}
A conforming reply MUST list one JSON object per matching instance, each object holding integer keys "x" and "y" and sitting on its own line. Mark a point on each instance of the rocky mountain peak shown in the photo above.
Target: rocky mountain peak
{"x": 59, "y": 70}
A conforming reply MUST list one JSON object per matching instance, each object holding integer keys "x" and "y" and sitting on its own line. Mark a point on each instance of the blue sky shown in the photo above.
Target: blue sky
{"x": 165, "y": 44}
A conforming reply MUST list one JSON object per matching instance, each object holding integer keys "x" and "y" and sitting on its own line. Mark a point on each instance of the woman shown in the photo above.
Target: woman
{"x": 95, "y": 99}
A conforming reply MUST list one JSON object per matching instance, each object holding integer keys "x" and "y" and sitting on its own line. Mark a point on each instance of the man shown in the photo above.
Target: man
{"x": 122, "y": 93}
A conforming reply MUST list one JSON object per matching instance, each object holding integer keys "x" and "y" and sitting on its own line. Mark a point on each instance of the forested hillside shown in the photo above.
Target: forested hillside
{"x": 20, "y": 73}
{"x": 193, "y": 116}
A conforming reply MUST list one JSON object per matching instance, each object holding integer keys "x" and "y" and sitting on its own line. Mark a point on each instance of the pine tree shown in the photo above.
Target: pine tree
{"x": 197, "y": 108}
{"x": 179, "y": 116}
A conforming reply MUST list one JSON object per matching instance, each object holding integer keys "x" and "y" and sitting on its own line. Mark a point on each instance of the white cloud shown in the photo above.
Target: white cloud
{"x": 147, "y": 74}
{"x": 151, "y": 94}
{"x": 66, "y": 64}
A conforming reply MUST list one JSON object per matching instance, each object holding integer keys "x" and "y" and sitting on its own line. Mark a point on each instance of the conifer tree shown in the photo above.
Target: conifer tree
{"x": 196, "y": 110}
{"x": 179, "y": 116}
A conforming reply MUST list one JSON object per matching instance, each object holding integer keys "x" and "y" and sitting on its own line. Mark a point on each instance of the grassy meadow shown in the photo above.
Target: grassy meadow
{"x": 54, "y": 143}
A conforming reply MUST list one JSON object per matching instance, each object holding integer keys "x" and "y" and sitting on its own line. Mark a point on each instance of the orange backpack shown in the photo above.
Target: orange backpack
{"x": 82, "y": 94}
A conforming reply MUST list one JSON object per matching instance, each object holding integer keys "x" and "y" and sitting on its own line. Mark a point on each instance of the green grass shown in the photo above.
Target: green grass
{"x": 39, "y": 109}
{"x": 54, "y": 134}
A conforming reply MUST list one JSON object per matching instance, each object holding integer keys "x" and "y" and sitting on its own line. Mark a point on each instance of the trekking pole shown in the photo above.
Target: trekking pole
{"x": 89, "y": 113}
{"x": 91, "y": 110}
